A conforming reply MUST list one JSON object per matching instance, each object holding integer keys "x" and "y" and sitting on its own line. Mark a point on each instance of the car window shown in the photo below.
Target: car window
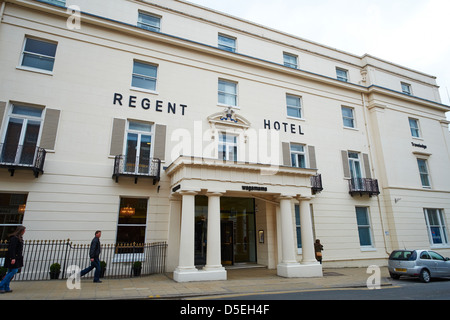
{"x": 436, "y": 256}
{"x": 403, "y": 255}
{"x": 425, "y": 255}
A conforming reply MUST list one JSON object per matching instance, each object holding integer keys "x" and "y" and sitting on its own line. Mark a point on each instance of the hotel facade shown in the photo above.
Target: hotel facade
{"x": 234, "y": 143}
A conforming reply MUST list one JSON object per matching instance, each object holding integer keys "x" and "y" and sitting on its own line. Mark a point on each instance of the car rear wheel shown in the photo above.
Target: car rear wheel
{"x": 425, "y": 276}
{"x": 394, "y": 276}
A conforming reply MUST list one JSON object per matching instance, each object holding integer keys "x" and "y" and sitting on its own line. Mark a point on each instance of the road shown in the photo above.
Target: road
{"x": 403, "y": 289}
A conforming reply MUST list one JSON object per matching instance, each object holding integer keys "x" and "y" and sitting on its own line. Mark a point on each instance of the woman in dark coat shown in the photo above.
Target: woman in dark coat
{"x": 318, "y": 247}
{"x": 13, "y": 258}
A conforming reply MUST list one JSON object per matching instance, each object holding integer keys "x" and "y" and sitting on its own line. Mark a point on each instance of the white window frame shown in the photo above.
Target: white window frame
{"x": 441, "y": 225}
{"x": 146, "y": 26}
{"x": 24, "y": 67}
{"x": 295, "y": 154}
{"x": 366, "y": 227}
{"x": 425, "y": 173}
{"x": 233, "y": 95}
{"x": 414, "y": 129}
{"x": 406, "y": 88}
{"x": 139, "y": 134}
{"x": 298, "y": 108}
{"x": 131, "y": 257}
{"x": 352, "y": 118}
{"x": 291, "y": 64}
{"x": 228, "y": 145}
{"x": 341, "y": 74}
{"x": 25, "y": 119}
{"x": 153, "y": 79}
{"x": 225, "y": 45}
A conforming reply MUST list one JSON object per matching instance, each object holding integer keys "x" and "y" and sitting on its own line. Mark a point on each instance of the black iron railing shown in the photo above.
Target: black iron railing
{"x": 22, "y": 157}
{"x": 118, "y": 260}
{"x": 137, "y": 168}
{"x": 316, "y": 183}
{"x": 364, "y": 186}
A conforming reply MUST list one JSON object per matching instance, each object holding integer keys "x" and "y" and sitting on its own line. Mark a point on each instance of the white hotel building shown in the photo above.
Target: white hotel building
{"x": 233, "y": 142}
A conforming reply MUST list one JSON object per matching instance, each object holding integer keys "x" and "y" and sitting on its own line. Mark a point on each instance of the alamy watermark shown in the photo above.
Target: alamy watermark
{"x": 374, "y": 281}
{"x": 74, "y": 20}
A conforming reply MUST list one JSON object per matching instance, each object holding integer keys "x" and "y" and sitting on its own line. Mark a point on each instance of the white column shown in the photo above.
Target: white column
{"x": 287, "y": 231}
{"x": 213, "y": 266}
{"x": 186, "y": 265}
{"x": 308, "y": 255}
{"x": 213, "y": 254}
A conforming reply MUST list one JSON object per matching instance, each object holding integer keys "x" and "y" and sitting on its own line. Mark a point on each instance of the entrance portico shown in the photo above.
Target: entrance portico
{"x": 216, "y": 178}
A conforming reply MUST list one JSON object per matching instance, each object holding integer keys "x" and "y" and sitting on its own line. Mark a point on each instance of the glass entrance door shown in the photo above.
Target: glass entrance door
{"x": 238, "y": 236}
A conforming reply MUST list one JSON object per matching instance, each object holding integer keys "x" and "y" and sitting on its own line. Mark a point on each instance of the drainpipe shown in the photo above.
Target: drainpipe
{"x": 373, "y": 170}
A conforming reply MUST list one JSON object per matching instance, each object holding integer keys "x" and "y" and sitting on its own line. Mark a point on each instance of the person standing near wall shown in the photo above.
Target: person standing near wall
{"x": 13, "y": 258}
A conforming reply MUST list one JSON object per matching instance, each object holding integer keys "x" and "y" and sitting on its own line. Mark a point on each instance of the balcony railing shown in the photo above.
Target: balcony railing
{"x": 316, "y": 183}
{"x": 364, "y": 186}
{"x": 22, "y": 157}
{"x": 137, "y": 168}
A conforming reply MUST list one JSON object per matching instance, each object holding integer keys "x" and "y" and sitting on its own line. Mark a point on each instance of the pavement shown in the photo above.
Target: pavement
{"x": 240, "y": 282}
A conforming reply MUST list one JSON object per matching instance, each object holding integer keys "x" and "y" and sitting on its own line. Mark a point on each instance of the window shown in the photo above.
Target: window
{"x": 362, "y": 219}
{"x": 38, "y": 54}
{"x": 406, "y": 88}
{"x": 294, "y": 106}
{"x": 227, "y": 43}
{"x": 298, "y": 227}
{"x": 298, "y": 156}
{"x": 138, "y": 149}
{"x": 342, "y": 74}
{"x": 437, "y": 230}
{"x": 12, "y": 209}
{"x": 144, "y": 76}
{"x": 290, "y": 60}
{"x": 131, "y": 224}
{"x": 423, "y": 170}
{"x": 227, "y": 147}
{"x": 57, "y": 2}
{"x": 414, "y": 127}
{"x": 228, "y": 93}
{"x": 348, "y": 117}
{"x": 149, "y": 22}
{"x": 20, "y": 141}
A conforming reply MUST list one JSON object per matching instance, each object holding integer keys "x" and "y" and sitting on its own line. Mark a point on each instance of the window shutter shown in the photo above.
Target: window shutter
{"x": 159, "y": 150}
{"x": 312, "y": 157}
{"x": 118, "y": 135}
{"x": 345, "y": 164}
{"x": 366, "y": 165}
{"x": 286, "y": 154}
{"x": 50, "y": 129}
{"x": 2, "y": 111}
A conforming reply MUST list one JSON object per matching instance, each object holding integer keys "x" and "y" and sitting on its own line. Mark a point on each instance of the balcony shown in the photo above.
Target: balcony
{"x": 363, "y": 186}
{"x": 316, "y": 183}
{"x": 137, "y": 168}
{"x": 15, "y": 157}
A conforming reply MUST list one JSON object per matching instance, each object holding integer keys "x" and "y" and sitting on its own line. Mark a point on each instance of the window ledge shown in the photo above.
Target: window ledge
{"x": 49, "y": 73}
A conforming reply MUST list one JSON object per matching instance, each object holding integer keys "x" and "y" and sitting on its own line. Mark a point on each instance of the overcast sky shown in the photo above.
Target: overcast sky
{"x": 411, "y": 33}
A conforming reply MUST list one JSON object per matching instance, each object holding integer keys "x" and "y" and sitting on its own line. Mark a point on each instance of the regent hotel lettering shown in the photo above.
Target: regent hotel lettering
{"x": 147, "y": 104}
{"x": 169, "y": 107}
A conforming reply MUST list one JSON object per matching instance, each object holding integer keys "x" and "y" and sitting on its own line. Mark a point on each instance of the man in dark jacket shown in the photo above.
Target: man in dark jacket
{"x": 13, "y": 258}
{"x": 94, "y": 255}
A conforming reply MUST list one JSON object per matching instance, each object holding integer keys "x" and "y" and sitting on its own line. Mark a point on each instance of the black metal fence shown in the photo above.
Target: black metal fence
{"x": 117, "y": 260}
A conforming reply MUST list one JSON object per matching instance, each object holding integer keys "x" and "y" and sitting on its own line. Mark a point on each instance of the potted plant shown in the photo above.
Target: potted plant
{"x": 137, "y": 266}
{"x": 102, "y": 268}
{"x": 55, "y": 269}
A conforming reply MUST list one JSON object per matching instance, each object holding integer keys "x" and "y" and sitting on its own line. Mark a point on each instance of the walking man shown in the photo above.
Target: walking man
{"x": 94, "y": 254}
